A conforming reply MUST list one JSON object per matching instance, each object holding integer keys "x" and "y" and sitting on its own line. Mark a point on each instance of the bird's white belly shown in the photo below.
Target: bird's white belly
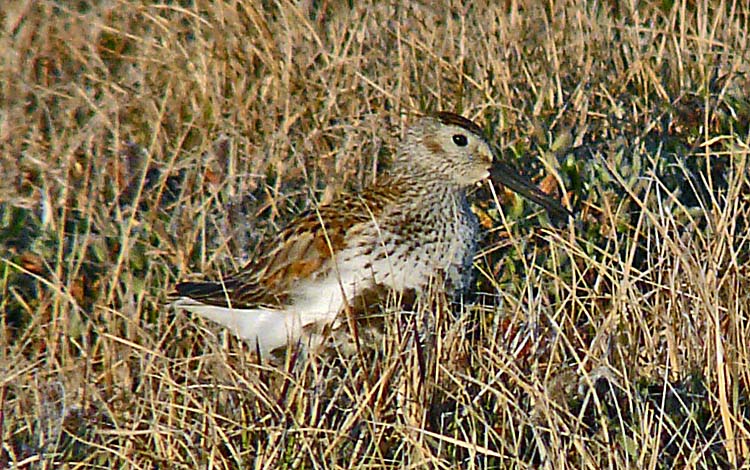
{"x": 323, "y": 298}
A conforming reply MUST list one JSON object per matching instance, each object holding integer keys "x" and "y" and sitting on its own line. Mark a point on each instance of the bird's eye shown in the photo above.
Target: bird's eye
{"x": 460, "y": 140}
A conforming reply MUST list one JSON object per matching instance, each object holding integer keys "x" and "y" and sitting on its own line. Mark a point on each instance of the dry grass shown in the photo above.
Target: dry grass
{"x": 144, "y": 143}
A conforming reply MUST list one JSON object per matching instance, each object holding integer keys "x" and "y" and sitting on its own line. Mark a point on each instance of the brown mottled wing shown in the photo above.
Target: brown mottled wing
{"x": 301, "y": 250}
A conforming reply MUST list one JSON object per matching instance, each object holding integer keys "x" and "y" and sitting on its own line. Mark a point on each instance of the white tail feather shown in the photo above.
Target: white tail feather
{"x": 266, "y": 328}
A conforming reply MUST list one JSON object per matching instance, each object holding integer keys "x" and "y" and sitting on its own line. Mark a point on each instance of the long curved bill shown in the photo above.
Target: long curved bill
{"x": 505, "y": 175}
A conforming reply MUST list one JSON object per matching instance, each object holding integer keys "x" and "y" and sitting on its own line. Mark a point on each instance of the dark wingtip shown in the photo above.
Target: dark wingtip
{"x": 197, "y": 290}
{"x": 190, "y": 289}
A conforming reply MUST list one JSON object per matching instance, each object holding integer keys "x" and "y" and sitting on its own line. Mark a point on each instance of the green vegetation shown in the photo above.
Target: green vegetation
{"x": 145, "y": 143}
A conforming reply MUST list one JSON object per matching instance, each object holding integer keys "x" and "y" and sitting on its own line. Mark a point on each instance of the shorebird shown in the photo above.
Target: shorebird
{"x": 412, "y": 229}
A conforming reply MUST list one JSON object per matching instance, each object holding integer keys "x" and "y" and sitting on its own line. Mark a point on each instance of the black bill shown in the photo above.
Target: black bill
{"x": 505, "y": 175}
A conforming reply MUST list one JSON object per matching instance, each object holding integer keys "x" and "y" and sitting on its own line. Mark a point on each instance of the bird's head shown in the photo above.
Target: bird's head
{"x": 448, "y": 146}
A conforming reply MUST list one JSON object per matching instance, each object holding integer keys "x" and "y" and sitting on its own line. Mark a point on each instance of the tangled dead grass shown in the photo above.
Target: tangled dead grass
{"x": 143, "y": 143}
